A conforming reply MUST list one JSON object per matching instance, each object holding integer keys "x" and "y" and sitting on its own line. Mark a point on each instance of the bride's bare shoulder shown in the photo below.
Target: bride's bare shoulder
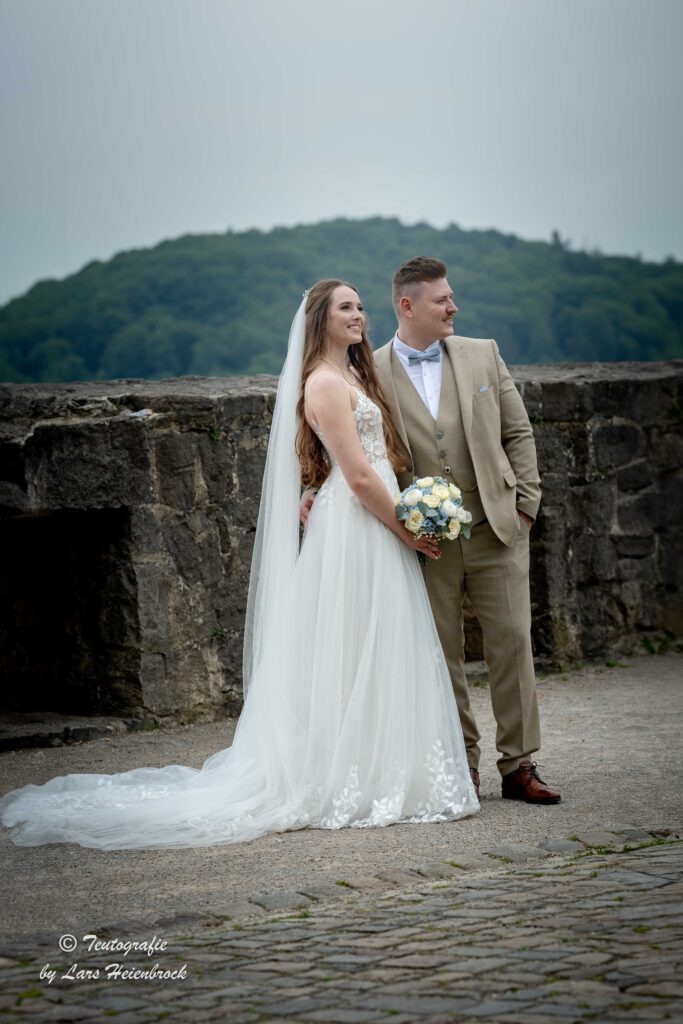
{"x": 322, "y": 384}
{"x": 325, "y": 391}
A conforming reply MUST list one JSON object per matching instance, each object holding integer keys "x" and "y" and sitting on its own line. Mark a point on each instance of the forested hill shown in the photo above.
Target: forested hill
{"x": 222, "y": 304}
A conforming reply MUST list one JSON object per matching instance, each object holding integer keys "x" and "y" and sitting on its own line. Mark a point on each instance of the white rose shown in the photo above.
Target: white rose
{"x": 425, "y": 481}
{"x": 454, "y": 491}
{"x": 449, "y": 509}
{"x": 453, "y": 528}
{"x": 440, "y": 491}
{"x": 463, "y": 515}
{"x": 414, "y": 521}
{"x": 412, "y": 497}
{"x": 430, "y": 500}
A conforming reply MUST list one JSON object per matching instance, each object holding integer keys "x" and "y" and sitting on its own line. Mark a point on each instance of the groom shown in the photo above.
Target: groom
{"x": 461, "y": 417}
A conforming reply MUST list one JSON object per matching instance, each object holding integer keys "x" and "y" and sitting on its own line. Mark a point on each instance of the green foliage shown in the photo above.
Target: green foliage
{"x": 219, "y": 305}
{"x": 660, "y": 643}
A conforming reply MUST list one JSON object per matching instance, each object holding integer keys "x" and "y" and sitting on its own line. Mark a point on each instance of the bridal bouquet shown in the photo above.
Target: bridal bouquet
{"x": 430, "y": 507}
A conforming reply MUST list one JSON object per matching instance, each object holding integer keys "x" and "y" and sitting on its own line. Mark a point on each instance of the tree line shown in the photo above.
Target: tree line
{"x": 221, "y": 304}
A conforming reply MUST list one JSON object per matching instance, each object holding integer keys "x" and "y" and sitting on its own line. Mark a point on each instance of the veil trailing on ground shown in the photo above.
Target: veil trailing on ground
{"x": 276, "y": 546}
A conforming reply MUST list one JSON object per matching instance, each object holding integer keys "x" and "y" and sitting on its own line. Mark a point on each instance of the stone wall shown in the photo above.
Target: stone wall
{"x": 607, "y": 563}
{"x": 127, "y": 513}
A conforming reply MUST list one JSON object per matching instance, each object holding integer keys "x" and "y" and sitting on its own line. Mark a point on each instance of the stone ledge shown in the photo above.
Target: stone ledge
{"x": 25, "y": 731}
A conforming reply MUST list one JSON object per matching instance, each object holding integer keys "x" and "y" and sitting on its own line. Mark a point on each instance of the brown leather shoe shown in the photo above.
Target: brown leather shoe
{"x": 526, "y": 784}
{"x": 474, "y": 775}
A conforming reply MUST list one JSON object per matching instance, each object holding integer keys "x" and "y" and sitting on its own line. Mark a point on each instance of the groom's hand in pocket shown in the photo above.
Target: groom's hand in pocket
{"x": 525, "y": 519}
{"x": 306, "y": 504}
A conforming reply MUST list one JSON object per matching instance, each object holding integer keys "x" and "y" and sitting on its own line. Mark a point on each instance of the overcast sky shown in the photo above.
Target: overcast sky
{"x": 124, "y": 122}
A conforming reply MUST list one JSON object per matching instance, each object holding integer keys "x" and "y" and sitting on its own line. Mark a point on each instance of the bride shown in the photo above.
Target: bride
{"x": 349, "y": 716}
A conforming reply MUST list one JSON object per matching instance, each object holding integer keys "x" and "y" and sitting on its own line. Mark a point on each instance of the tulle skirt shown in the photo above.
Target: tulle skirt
{"x": 350, "y": 719}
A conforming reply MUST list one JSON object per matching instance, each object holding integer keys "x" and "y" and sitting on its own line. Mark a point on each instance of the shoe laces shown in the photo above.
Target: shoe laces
{"x": 533, "y": 765}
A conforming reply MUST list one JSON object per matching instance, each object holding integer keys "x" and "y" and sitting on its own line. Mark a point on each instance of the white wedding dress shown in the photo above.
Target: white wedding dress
{"x": 349, "y": 720}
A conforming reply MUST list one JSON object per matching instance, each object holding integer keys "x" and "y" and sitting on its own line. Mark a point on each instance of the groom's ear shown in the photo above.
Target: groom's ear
{"x": 405, "y": 305}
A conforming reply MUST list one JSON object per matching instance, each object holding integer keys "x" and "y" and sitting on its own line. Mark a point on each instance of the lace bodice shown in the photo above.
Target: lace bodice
{"x": 368, "y": 417}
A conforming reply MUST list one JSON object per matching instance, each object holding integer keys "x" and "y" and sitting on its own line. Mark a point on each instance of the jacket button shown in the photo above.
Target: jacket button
{"x": 442, "y": 453}
{"x": 439, "y": 435}
{"x": 447, "y": 469}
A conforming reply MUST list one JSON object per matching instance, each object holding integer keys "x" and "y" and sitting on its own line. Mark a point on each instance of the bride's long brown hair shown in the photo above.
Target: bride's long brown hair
{"x": 315, "y": 464}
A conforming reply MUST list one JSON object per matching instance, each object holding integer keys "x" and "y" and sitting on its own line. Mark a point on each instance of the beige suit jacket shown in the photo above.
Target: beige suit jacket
{"x": 497, "y": 430}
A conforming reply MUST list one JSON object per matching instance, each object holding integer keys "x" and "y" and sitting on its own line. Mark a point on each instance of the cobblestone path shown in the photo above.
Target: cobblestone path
{"x": 545, "y": 936}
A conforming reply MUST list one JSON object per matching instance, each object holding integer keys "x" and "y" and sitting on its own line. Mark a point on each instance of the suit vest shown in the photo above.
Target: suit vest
{"x": 438, "y": 446}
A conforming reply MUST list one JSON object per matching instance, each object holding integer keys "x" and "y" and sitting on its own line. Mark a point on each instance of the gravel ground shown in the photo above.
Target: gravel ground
{"x": 611, "y": 745}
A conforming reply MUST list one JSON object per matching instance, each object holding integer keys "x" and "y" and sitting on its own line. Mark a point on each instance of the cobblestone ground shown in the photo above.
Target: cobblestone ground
{"x": 587, "y": 928}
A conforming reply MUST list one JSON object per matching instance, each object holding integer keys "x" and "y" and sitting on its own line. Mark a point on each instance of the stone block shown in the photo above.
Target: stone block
{"x": 174, "y": 456}
{"x": 599, "y": 837}
{"x": 531, "y": 392}
{"x": 248, "y": 462}
{"x": 654, "y": 401}
{"x": 184, "y": 682}
{"x": 153, "y": 594}
{"x": 89, "y": 464}
{"x": 665, "y": 448}
{"x": 635, "y": 477}
{"x": 153, "y": 682}
{"x": 634, "y": 545}
{"x": 671, "y": 504}
{"x": 554, "y": 449}
{"x": 566, "y": 400}
{"x": 467, "y": 862}
{"x": 639, "y": 608}
{"x": 670, "y": 562}
{"x": 435, "y": 869}
{"x": 593, "y": 505}
{"x": 556, "y": 633}
{"x": 642, "y": 569}
{"x": 215, "y": 456}
{"x": 631, "y": 395}
{"x": 145, "y": 531}
{"x": 554, "y": 490}
{"x": 594, "y": 559}
{"x": 326, "y": 890}
{"x": 236, "y": 909}
{"x": 640, "y": 513}
{"x": 193, "y": 545}
{"x": 365, "y": 883}
{"x": 516, "y": 852}
{"x": 280, "y": 900}
{"x": 617, "y": 443}
{"x": 601, "y": 621}
{"x": 558, "y": 844}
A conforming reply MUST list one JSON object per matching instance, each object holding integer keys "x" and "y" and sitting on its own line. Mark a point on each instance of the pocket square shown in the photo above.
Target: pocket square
{"x": 483, "y": 388}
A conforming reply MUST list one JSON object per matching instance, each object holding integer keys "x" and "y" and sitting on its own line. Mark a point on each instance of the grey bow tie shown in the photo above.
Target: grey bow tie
{"x": 430, "y": 355}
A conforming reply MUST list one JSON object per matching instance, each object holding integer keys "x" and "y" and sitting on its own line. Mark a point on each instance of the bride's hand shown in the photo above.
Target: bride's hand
{"x": 426, "y": 545}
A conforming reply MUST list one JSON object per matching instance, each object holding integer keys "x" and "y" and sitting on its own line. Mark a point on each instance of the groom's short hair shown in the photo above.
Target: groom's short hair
{"x": 414, "y": 272}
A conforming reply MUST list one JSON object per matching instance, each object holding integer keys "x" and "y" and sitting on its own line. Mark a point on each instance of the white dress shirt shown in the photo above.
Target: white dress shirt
{"x": 426, "y": 376}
